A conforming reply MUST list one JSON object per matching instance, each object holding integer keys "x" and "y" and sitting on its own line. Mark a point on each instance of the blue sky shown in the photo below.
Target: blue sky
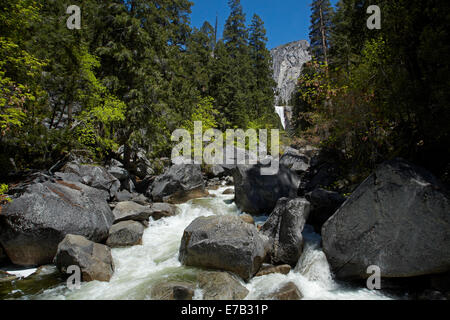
{"x": 285, "y": 20}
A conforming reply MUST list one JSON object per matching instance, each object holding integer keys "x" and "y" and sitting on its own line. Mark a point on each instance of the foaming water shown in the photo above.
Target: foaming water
{"x": 139, "y": 267}
{"x": 313, "y": 277}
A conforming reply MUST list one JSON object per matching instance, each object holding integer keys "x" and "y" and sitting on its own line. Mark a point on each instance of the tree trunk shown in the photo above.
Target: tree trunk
{"x": 324, "y": 36}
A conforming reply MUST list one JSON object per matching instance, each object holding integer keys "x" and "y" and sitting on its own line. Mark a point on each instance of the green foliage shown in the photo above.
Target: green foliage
{"x": 3, "y": 188}
{"x": 101, "y": 109}
{"x": 131, "y": 75}
{"x": 4, "y": 198}
{"x": 204, "y": 112}
{"x": 383, "y": 93}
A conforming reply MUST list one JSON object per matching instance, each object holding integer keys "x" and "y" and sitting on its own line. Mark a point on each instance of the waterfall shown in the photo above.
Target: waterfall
{"x": 280, "y": 111}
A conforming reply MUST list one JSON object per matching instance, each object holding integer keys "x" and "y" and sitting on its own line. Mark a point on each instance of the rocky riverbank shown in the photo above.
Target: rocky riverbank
{"x": 398, "y": 219}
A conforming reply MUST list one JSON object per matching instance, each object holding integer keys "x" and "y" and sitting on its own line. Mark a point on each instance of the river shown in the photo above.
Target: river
{"x": 138, "y": 267}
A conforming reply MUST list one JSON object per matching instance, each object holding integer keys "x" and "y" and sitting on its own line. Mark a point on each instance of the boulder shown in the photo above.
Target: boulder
{"x": 32, "y": 225}
{"x": 125, "y": 234}
{"x": 324, "y": 204}
{"x": 141, "y": 199}
{"x": 247, "y": 218}
{"x": 172, "y": 290}
{"x": 123, "y": 196}
{"x": 179, "y": 184}
{"x": 218, "y": 171}
{"x": 295, "y": 161}
{"x": 3, "y": 257}
{"x": 94, "y": 259}
{"x": 270, "y": 269}
{"x": 144, "y": 186}
{"x": 223, "y": 243}
{"x": 288, "y": 291}
{"x": 228, "y": 191}
{"x": 398, "y": 219}
{"x": 117, "y": 169}
{"x": 138, "y": 160}
{"x": 324, "y": 171}
{"x": 284, "y": 228}
{"x": 257, "y": 194}
{"x": 221, "y": 286}
{"x": 162, "y": 210}
{"x": 130, "y": 210}
{"x": 91, "y": 175}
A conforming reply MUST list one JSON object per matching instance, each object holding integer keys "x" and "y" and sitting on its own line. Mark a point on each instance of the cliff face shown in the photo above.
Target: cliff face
{"x": 288, "y": 62}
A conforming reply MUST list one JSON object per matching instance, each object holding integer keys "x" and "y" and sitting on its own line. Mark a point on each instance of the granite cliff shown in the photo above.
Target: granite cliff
{"x": 288, "y": 61}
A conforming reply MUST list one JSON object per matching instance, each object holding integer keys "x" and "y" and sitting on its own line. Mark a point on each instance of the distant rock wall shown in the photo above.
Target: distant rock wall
{"x": 288, "y": 63}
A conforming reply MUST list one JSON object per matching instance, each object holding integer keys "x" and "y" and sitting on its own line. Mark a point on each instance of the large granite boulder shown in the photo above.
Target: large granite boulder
{"x": 398, "y": 219}
{"x": 220, "y": 286}
{"x": 324, "y": 204}
{"x": 32, "y": 225}
{"x": 284, "y": 228}
{"x": 224, "y": 243}
{"x": 125, "y": 234}
{"x": 92, "y": 175}
{"x": 179, "y": 184}
{"x": 93, "y": 259}
{"x": 257, "y": 194}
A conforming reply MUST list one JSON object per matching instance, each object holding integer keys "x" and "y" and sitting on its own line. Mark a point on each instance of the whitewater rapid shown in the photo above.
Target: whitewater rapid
{"x": 139, "y": 267}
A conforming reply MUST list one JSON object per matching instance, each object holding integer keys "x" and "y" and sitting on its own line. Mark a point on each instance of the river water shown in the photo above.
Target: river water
{"x": 139, "y": 267}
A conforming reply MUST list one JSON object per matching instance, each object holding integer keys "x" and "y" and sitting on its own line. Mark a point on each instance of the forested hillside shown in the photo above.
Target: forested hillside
{"x": 379, "y": 93}
{"x": 133, "y": 73}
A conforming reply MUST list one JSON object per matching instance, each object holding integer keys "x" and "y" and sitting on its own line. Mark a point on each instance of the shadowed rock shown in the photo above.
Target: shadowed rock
{"x": 398, "y": 219}
{"x": 257, "y": 194}
{"x": 179, "y": 184}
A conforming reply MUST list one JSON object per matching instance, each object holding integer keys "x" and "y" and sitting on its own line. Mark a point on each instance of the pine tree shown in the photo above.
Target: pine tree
{"x": 320, "y": 29}
{"x": 261, "y": 59}
{"x": 235, "y": 67}
{"x": 199, "y": 62}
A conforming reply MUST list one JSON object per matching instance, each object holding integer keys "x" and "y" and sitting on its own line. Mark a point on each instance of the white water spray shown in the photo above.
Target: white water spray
{"x": 280, "y": 112}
